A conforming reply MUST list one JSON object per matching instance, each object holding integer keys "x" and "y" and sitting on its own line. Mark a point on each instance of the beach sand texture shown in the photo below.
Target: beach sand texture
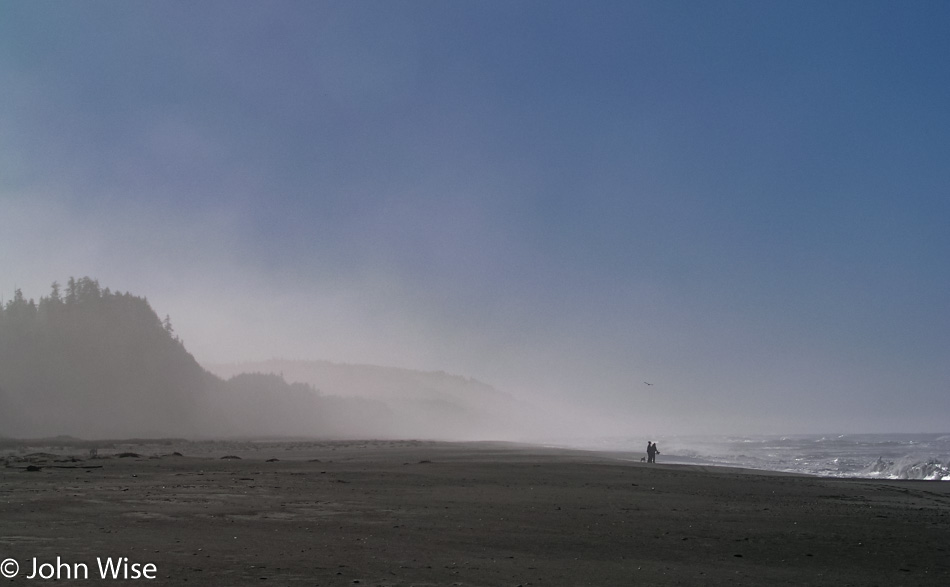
{"x": 425, "y": 513}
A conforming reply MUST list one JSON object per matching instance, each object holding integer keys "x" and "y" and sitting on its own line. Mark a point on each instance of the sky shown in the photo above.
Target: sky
{"x": 745, "y": 204}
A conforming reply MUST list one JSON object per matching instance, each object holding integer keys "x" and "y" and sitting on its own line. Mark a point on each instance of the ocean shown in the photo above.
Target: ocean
{"x": 866, "y": 456}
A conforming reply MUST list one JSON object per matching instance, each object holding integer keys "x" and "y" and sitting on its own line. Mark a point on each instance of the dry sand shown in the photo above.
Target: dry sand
{"x": 421, "y": 513}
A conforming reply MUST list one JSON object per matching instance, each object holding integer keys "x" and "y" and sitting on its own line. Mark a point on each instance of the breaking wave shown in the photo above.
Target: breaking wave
{"x": 932, "y": 470}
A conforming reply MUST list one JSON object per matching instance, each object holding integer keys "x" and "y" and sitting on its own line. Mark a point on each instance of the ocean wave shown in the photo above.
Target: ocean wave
{"x": 930, "y": 470}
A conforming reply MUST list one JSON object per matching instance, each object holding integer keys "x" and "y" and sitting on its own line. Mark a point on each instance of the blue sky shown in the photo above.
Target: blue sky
{"x": 744, "y": 203}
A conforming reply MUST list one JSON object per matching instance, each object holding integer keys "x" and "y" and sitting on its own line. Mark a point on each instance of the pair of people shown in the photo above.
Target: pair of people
{"x": 652, "y": 451}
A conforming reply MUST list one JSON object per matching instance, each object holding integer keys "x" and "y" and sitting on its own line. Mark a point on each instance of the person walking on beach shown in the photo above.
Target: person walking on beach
{"x": 651, "y": 452}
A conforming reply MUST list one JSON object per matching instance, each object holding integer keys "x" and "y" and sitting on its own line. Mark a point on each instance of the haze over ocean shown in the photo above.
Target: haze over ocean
{"x": 744, "y": 204}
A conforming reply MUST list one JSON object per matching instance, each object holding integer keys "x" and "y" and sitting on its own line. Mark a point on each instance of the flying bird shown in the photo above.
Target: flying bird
{"x": 648, "y": 383}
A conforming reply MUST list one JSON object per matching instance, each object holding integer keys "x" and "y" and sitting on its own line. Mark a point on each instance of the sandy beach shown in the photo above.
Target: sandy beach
{"x": 425, "y": 513}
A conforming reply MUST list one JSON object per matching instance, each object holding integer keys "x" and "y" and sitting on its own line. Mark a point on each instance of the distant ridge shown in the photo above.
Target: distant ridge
{"x": 366, "y": 380}
{"x": 433, "y": 402}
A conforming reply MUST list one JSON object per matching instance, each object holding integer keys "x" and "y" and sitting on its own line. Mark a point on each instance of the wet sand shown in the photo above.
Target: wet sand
{"x": 422, "y": 513}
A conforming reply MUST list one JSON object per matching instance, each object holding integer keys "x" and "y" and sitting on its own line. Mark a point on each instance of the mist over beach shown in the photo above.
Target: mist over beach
{"x": 743, "y": 206}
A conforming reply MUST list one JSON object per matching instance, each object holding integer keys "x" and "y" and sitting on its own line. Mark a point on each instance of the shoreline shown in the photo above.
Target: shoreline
{"x": 249, "y": 447}
{"x": 482, "y": 513}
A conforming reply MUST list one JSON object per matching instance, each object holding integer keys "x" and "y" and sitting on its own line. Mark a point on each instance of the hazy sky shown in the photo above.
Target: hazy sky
{"x": 746, "y": 204}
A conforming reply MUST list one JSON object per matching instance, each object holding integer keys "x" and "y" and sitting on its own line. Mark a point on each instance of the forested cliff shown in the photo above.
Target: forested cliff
{"x": 91, "y": 360}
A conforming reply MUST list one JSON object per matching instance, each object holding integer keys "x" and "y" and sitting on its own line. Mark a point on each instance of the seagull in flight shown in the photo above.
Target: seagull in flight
{"x": 650, "y": 384}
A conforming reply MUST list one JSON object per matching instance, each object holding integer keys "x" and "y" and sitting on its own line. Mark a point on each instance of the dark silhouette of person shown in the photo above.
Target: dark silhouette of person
{"x": 651, "y": 452}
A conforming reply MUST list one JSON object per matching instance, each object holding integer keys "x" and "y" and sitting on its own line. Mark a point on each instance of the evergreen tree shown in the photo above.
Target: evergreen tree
{"x": 71, "y": 293}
